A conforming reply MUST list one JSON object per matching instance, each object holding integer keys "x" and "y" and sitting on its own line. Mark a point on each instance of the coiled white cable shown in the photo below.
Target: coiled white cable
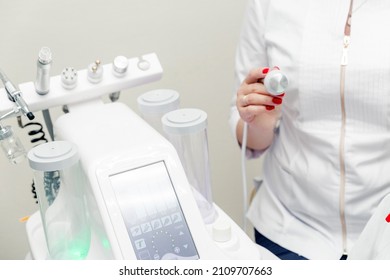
{"x": 276, "y": 83}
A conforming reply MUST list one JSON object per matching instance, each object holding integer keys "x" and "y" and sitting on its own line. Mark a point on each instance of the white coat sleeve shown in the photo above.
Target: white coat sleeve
{"x": 250, "y": 53}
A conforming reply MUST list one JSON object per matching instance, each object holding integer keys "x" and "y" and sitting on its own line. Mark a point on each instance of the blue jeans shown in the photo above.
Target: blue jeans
{"x": 277, "y": 250}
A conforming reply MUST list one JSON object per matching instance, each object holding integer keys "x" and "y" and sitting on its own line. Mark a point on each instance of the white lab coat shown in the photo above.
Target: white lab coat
{"x": 298, "y": 206}
{"x": 374, "y": 242}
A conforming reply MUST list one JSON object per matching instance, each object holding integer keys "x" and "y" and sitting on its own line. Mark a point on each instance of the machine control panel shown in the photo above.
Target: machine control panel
{"x": 152, "y": 214}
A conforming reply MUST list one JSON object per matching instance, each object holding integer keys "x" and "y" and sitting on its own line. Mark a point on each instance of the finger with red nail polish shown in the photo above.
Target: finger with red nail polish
{"x": 277, "y": 100}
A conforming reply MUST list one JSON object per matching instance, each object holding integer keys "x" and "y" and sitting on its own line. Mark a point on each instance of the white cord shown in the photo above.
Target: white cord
{"x": 243, "y": 171}
{"x": 276, "y": 83}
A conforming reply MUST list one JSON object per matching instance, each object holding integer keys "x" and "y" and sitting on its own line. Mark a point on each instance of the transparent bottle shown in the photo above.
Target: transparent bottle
{"x": 186, "y": 129}
{"x": 11, "y": 145}
{"x": 155, "y": 103}
{"x": 60, "y": 182}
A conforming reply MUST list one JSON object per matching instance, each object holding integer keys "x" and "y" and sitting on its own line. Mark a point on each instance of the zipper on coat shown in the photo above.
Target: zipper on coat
{"x": 342, "y": 161}
{"x": 344, "y": 63}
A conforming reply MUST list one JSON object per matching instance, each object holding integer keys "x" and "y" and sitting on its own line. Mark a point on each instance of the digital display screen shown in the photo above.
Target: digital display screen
{"x": 152, "y": 214}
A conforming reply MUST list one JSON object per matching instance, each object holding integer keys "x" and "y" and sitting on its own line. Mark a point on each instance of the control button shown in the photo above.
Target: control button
{"x": 176, "y": 250}
{"x": 143, "y": 65}
{"x": 156, "y": 224}
{"x": 144, "y": 255}
{"x": 176, "y": 218}
{"x": 146, "y": 227}
{"x": 119, "y": 66}
{"x": 135, "y": 231}
{"x": 222, "y": 231}
{"x": 140, "y": 244}
{"x": 166, "y": 221}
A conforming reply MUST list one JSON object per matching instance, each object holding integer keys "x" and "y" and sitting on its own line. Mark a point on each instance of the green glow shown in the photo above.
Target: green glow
{"x": 76, "y": 249}
{"x": 106, "y": 243}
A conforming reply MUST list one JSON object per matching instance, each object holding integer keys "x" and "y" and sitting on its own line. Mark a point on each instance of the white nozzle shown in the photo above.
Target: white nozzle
{"x": 276, "y": 82}
{"x": 45, "y": 55}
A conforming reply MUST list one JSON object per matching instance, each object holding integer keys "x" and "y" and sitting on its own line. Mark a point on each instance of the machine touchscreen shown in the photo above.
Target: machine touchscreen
{"x": 152, "y": 214}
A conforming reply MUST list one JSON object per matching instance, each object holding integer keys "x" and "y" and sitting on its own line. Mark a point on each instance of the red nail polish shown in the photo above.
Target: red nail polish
{"x": 265, "y": 70}
{"x": 388, "y": 218}
{"x": 281, "y": 95}
{"x": 277, "y": 100}
{"x": 269, "y": 107}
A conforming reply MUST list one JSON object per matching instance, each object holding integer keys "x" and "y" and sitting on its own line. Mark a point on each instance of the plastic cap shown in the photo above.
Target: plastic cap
{"x": 120, "y": 65}
{"x": 53, "y": 156}
{"x": 45, "y": 55}
{"x": 222, "y": 231}
{"x": 184, "y": 121}
{"x": 30, "y": 116}
{"x": 158, "y": 101}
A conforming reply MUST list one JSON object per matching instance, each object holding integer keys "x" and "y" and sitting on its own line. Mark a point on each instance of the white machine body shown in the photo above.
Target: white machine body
{"x": 140, "y": 203}
{"x": 138, "y": 199}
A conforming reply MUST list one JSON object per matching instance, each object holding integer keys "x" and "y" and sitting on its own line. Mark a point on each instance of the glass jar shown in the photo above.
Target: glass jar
{"x": 186, "y": 129}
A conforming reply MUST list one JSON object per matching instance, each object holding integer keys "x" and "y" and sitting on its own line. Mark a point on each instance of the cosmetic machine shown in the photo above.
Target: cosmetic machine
{"x": 110, "y": 185}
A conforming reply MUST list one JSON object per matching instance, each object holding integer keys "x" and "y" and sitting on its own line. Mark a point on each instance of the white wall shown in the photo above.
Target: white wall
{"x": 195, "y": 41}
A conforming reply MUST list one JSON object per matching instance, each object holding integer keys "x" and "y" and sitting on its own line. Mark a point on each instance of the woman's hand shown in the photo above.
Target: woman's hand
{"x": 253, "y": 100}
{"x": 258, "y": 108}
